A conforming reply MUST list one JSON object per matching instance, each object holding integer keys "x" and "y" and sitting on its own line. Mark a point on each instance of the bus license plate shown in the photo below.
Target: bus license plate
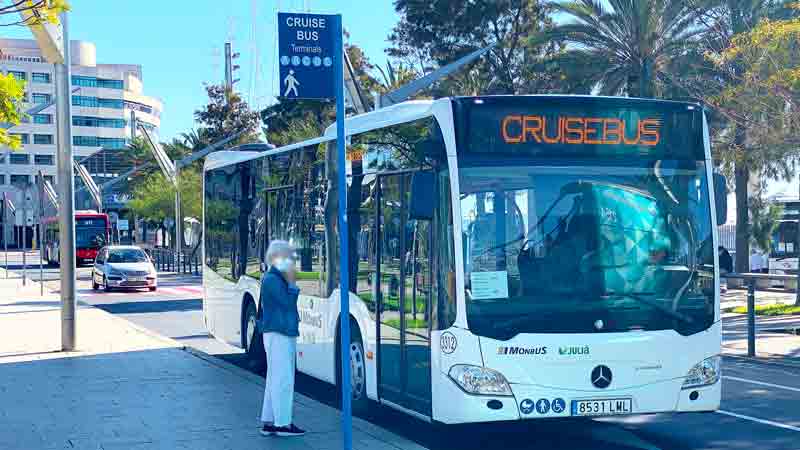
{"x": 602, "y": 407}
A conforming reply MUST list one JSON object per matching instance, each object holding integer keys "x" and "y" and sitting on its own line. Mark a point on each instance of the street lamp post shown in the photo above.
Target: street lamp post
{"x": 66, "y": 213}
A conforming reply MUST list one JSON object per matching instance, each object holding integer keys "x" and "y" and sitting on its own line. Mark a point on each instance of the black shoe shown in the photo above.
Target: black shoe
{"x": 291, "y": 430}
{"x": 267, "y": 430}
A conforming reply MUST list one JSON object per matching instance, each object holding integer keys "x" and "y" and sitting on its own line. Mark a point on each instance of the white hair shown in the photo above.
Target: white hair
{"x": 279, "y": 249}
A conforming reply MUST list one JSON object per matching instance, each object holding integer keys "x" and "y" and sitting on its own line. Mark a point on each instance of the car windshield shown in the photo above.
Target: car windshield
{"x": 128, "y": 255}
{"x": 587, "y": 248}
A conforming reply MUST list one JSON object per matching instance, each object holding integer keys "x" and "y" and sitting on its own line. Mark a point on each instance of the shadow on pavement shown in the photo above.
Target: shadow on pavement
{"x": 156, "y": 306}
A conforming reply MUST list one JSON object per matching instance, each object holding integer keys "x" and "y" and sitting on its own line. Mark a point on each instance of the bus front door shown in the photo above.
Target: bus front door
{"x": 404, "y": 303}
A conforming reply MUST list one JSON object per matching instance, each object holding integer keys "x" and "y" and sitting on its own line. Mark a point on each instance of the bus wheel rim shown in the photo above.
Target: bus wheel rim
{"x": 357, "y": 370}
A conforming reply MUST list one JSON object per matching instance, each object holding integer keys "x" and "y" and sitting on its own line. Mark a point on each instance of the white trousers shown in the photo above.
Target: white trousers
{"x": 279, "y": 387}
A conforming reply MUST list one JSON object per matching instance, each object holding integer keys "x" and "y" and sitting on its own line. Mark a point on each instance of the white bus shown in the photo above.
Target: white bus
{"x": 783, "y": 256}
{"x": 512, "y": 257}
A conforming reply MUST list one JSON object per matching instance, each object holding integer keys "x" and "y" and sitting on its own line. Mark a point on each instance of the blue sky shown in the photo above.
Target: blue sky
{"x": 179, "y": 43}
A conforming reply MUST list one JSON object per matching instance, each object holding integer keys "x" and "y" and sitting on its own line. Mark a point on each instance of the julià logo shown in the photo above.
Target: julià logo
{"x": 521, "y": 350}
{"x": 573, "y": 350}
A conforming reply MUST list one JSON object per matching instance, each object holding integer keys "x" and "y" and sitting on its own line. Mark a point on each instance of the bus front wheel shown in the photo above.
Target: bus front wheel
{"x": 358, "y": 372}
{"x": 251, "y": 338}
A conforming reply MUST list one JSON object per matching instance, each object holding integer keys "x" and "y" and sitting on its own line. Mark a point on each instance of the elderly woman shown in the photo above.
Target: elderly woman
{"x": 279, "y": 325}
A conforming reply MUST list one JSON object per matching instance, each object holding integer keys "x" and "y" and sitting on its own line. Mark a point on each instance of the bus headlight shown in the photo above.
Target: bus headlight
{"x": 479, "y": 380}
{"x": 703, "y": 373}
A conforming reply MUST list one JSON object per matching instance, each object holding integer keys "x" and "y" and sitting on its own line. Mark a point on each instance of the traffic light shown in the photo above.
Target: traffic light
{"x": 230, "y": 67}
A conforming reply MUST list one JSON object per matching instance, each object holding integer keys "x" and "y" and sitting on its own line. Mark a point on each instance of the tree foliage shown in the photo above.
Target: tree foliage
{"x": 37, "y": 11}
{"x": 154, "y": 198}
{"x": 764, "y": 217}
{"x": 432, "y": 33}
{"x": 624, "y": 46}
{"x": 226, "y": 113}
{"x": 764, "y": 97}
{"x": 11, "y": 92}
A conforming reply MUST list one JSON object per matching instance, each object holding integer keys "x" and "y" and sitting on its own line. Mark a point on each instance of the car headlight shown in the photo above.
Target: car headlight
{"x": 480, "y": 380}
{"x": 703, "y": 373}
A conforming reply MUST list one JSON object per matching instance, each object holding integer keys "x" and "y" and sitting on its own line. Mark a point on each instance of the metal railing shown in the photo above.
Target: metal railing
{"x": 751, "y": 279}
{"x": 165, "y": 261}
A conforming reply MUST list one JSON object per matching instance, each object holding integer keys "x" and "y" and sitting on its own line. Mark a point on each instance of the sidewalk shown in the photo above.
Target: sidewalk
{"x": 126, "y": 388}
{"x": 770, "y": 343}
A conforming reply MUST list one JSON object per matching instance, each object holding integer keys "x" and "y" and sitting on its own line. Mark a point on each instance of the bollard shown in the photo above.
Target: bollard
{"x": 751, "y": 318}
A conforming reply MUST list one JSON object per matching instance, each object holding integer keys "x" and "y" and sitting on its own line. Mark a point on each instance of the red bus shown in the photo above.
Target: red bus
{"x": 92, "y": 232}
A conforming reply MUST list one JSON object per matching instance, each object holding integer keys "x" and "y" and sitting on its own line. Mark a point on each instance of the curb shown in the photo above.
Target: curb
{"x": 767, "y": 358}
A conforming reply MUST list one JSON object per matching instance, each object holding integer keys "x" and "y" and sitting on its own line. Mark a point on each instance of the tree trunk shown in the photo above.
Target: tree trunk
{"x": 797, "y": 250}
{"x": 742, "y": 180}
{"x": 354, "y": 223}
{"x": 331, "y": 227}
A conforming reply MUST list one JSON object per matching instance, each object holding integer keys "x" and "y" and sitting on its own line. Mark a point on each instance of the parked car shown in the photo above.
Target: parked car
{"x": 123, "y": 266}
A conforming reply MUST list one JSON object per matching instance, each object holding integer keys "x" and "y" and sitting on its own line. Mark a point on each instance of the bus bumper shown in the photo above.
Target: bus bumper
{"x": 539, "y": 402}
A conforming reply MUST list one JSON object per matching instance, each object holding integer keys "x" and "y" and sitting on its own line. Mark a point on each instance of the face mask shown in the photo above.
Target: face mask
{"x": 284, "y": 264}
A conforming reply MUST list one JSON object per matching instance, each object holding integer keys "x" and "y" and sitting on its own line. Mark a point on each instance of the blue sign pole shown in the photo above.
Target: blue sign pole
{"x": 310, "y": 59}
{"x": 344, "y": 261}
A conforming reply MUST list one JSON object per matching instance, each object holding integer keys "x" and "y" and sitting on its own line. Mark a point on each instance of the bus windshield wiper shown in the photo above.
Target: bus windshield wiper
{"x": 641, "y": 299}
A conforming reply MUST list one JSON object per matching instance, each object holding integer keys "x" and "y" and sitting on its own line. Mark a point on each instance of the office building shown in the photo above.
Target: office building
{"x": 102, "y": 100}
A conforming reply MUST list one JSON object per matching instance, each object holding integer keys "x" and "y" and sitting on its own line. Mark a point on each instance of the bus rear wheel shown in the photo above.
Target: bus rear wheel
{"x": 358, "y": 372}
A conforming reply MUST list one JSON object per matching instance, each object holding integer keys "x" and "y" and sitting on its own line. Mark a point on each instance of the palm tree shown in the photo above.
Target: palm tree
{"x": 625, "y": 47}
{"x": 195, "y": 139}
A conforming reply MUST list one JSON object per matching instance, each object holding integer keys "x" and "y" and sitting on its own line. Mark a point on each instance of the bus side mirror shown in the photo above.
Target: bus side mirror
{"x": 721, "y": 198}
{"x": 423, "y": 195}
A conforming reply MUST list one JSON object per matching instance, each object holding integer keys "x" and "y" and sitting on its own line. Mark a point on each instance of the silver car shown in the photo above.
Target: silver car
{"x": 123, "y": 266}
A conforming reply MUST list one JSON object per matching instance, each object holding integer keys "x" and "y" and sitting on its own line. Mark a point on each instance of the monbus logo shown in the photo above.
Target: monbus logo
{"x": 521, "y": 350}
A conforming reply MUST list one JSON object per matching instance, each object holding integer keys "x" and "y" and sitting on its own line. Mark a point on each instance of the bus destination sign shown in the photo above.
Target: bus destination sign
{"x": 555, "y": 128}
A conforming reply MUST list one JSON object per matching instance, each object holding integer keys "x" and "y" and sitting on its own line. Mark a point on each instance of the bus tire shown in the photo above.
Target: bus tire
{"x": 358, "y": 371}
{"x": 252, "y": 341}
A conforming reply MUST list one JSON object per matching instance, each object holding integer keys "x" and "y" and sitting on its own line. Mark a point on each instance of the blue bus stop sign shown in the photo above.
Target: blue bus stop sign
{"x": 306, "y": 55}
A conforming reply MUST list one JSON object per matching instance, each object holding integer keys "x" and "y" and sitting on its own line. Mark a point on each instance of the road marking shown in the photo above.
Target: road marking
{"x": 761, "y": 383}
{"x": 761, "y": 421}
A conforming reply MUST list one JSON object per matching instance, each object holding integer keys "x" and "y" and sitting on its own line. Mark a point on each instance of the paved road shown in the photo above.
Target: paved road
{"x": 760, "y": 409}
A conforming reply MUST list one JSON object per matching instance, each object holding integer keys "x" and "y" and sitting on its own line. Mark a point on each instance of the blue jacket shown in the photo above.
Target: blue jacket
{"x": 278, "y": 305}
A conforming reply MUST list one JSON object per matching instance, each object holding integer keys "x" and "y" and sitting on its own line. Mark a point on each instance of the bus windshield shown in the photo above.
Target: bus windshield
{"x": 587, "y": 248}
{"x": 784, "y": 242}
{"x": 90, "y": 233}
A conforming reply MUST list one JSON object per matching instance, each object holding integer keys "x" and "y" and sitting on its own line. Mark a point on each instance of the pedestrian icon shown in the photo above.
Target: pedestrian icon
{"x": 291, "y": 84}
{"x": 543, "y": 406}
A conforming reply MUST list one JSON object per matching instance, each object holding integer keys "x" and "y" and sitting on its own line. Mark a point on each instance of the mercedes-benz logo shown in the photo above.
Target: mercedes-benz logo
{"x": 601, "y": 377}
